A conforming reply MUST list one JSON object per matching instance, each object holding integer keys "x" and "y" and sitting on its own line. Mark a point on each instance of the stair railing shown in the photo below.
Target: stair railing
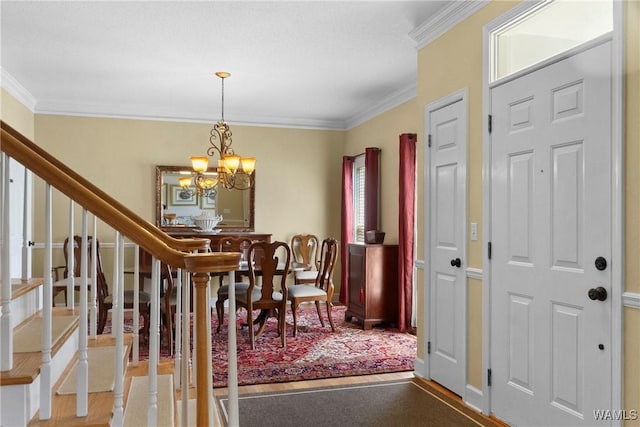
{"x": 174, "y": 252}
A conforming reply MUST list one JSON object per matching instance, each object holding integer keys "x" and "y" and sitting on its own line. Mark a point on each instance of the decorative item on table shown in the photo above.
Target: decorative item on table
{"x": 169, "y": 218}
{"x": 374, "y": 236}
{"x": 207, "y": 221}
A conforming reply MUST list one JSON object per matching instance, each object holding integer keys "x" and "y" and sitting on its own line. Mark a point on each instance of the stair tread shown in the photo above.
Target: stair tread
{"x": 100, "y": 403}
{"x": 20, "y": 287}
{"x": 26, "y": 365}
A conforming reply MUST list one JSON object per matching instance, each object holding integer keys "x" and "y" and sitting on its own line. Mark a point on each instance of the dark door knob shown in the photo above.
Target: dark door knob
{"x": 598, "y": 294}
{"x": 456, "y": 262}
{"x": 601, "y": 263}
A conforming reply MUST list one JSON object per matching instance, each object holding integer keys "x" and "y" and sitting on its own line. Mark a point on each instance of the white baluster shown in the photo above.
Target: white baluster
{"x": 94, "y": 280}
{"x": 47, "y": 301}
{"x": 71, "y": 285}
{"x": 154, "y": 348}
{"x": 82, "y": 393}
{"x": 117, "y": 320}
{"x": 233, "y": 355}
{"x": 186, "y": 346}
{"x": 27, "y": 251}
{"x": 212, "y": 409}
{"x": 178, "y": 327}
{"x": 136, "y": 319}
{"x": 136, "y": 311}
{"x": 6, "y": 331}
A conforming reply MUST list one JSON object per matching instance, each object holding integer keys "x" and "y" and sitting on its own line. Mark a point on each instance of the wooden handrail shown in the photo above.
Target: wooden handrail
{"x": 105, "y": 207}
{"x": 180, "y": 244}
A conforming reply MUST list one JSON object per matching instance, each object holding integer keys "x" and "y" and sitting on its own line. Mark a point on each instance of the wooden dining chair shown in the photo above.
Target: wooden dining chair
{"x": 322, "y": 288}
{"x": 272, "y": 261}
{"x": 105, "y": 300}
{"x": 305, "y": 251}
{"x": 231, "y": 244}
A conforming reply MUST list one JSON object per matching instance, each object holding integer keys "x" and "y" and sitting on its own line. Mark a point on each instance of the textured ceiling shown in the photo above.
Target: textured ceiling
{"x": 309, "y": 64}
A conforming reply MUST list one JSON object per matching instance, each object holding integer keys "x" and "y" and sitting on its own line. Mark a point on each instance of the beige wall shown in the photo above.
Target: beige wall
{"x": 16, "y": 114}
{"x": 383, "y": 132}
{"x": 119, "y": 156}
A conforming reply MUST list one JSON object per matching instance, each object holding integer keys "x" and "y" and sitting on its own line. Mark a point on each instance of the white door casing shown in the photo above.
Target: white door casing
{"x": 446, "y": 123}
{"x": 551, "y": 218}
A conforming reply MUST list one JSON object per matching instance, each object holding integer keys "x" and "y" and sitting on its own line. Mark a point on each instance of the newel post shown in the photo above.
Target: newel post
{"x": 203, "y": 338}
{"x": 200, "y": 265}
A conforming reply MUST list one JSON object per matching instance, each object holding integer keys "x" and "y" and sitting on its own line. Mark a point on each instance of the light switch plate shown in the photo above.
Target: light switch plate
{"x": 474, "y": 231}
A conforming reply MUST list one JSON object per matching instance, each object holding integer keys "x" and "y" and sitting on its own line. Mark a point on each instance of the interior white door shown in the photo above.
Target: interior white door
{"x": 446, "y": 126}
{"x": 551, "y": 216}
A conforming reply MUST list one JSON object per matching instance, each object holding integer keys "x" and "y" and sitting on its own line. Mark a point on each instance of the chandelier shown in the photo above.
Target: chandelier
{"x": 232, "y": 171}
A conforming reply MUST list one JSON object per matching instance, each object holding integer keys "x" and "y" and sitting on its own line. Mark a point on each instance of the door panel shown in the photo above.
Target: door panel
{"x": 551, "y": 218}
{"x": 446, "y": 203}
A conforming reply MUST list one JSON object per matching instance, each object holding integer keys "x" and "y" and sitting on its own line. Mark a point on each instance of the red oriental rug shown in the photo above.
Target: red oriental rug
{"x": 314, "y": 353}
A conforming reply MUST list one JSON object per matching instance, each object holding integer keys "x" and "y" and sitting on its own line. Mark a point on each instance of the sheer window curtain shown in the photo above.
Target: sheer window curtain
{"x": 371, "y": 188}
{"x": 406, "y": 230}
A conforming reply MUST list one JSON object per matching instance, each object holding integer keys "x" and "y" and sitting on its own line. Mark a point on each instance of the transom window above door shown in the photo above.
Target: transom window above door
{"x": 550, "y": 28}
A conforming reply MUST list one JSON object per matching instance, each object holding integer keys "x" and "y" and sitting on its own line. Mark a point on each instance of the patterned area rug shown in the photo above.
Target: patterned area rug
{"x": 315, "y": 353}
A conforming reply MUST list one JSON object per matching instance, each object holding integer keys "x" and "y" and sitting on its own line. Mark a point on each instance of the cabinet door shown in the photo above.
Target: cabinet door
{"x": 356, "y": 279}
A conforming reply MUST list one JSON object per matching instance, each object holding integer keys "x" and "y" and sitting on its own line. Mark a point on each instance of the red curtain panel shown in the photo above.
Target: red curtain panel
{"x": 406, "y": 214}
{"x": 346, "y": 234}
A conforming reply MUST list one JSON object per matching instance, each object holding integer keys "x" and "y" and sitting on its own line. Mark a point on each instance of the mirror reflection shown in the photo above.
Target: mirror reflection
{"x": 176, "y": 205}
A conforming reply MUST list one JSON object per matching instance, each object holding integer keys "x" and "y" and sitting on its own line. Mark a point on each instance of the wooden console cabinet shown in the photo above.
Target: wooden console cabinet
{"x": 373, "y": 284}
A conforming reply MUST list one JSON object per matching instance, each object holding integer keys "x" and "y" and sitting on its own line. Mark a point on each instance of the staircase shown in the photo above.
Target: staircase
{"x": 31, "y": 373}
{"x": 20, "y": 387}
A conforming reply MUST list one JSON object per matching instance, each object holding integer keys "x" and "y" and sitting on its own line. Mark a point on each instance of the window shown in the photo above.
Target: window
{"x": 547, "y": 30}
{"x": 358, "y": 199}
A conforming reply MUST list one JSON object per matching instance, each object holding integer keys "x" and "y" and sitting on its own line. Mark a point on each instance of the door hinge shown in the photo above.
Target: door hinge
{"x": 429, "y": 347}
{"x": 490, "y": 123}
{"x": 489, "y": 377}
{"x": 429, "y": 140}
{"x": 489, "y": 249}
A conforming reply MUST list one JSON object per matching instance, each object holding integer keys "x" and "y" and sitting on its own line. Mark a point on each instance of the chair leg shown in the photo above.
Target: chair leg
{"x": 251, "y": 331}
{"x": 147, "y": 326}
{"x": 329, "y": 306}
{"x": 220, "y": 312}
{"x": 294, "y": 311}
{"x": 319, "y": 313}
{"x": 282, "y": 326}
{"x": 102, "y": 320}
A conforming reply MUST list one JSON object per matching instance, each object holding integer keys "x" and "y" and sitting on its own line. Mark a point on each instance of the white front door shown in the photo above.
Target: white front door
{"x": 551, "y": 218}
{"x": 447, "y": 130}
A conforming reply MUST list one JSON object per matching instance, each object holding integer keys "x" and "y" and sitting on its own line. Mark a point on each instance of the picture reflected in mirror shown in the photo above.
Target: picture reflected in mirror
{"x": 177, "y": 205}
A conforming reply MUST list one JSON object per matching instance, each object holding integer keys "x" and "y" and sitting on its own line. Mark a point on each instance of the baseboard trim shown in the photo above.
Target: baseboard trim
{"x": 420, "y": 368}
{"x": 473, "y": 397}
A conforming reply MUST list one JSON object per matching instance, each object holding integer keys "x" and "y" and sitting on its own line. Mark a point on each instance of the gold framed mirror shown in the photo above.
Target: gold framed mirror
{"x": 176, "y": 207}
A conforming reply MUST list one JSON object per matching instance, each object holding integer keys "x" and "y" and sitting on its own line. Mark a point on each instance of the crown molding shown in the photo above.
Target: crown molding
{"x": 15, "y": 89}
{"x": 385, "y": 104}
{"x": 444, "y": 20}
{"x": 153, "y": 113}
